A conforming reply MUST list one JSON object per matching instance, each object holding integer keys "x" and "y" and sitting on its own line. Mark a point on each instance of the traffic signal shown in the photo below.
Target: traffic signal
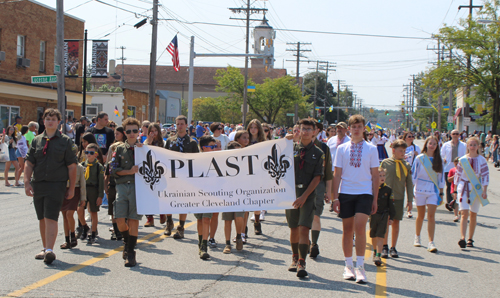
{"x": 386, "y": 112}
{"x": 141, "y": 23}
{"x": 389, "y": 120}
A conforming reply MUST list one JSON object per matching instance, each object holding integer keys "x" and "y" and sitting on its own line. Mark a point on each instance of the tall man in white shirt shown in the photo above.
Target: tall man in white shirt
{"x": 449, "y": 151}
{"x": 356, "y": 172}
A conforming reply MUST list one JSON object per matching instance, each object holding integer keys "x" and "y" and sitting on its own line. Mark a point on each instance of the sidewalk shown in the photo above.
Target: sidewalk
{"x": 11, "y": 172}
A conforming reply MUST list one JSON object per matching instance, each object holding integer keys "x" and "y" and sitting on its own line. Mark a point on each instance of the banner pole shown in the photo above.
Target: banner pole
{"x": 84, "y": 74}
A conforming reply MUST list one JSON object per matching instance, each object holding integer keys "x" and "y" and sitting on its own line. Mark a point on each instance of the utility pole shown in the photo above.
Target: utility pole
{"x": 315, "y": 89}
{"x": 440, "y": 98}
{"x": 467, "y": 87}
{"x": 326, "y": 69}
{"x": 152, "y": 65}
{"x": 122, "y": 78}
{"x": 297, "y": 76}
{"x": 191, "y": 80}
{"x": 248, "y": 11}
{"x": 61, "y": 88}
{"x": 450, "y": 96}
{"x": 338, "y": 98}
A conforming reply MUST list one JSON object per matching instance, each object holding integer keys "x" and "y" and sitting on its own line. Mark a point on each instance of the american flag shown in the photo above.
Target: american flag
{"x": 173, "y": 49}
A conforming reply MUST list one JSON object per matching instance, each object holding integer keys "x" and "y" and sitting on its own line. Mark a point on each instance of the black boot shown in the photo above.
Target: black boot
{"x": 125, "y": 244}
{"x": 84, "y": 232}
{"x": 130, "y": 261}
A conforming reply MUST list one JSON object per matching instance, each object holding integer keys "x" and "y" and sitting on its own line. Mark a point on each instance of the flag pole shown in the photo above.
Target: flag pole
{"x": 191, "y": 81}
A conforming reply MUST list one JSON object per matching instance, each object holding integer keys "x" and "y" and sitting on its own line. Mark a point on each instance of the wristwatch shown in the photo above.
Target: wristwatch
{"x": 441, "y": 194}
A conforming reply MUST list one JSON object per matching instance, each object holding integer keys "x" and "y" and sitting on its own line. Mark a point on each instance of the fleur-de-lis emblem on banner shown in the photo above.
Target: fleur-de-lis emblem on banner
{"x": 276, "y": 166}
{"x": 151, "y": 172}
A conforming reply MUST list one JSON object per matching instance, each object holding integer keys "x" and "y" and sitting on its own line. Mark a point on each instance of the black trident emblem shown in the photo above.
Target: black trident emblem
{"x": 276, "y": 166}
{"x": 151, "y": 172}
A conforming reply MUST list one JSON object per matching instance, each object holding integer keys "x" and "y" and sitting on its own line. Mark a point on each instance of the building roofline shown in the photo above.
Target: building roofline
{"x": 52, "y": 8}
{"x": 37, "y": 86}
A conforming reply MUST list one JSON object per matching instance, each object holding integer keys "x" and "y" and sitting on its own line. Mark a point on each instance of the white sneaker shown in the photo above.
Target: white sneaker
{"x": 417, "y": 242}
{"x": 431, "y": 247}
{"x": 349, "y": 273}
{"x": 262, "y": 216}
{"x": 360, "y": 275}
{"x": 252, "y": 218}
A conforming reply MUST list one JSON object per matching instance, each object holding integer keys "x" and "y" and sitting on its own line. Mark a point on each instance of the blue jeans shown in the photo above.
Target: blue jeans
{"x": 495, "y": 156}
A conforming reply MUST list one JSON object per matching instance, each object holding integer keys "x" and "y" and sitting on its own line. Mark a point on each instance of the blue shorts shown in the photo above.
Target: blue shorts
{"x": 18, "y": 154}
{"x": 12, "y": 154}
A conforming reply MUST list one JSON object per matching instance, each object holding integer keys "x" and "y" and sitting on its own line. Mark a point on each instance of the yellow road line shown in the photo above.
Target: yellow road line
{"x": 92, "y": 261}
{"x": 381, "y": 276}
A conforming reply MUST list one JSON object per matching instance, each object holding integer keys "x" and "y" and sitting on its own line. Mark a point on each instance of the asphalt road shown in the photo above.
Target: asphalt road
{"x": 168, "y": 267}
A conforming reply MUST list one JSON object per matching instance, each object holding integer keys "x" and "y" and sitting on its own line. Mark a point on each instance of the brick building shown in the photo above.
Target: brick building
{"x": 137, "y": 77}
{"x": 27, "y": 44}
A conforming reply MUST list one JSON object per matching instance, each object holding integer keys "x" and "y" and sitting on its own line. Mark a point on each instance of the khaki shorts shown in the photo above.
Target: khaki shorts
{"x": 48, "y": 198}
{"x": 92, "y": 195}
{"x": 232, "y": 215}
{"x": 303, "y": 216}
{"x": 399, "y": 206}
{"x": 125, "y": 203}
{"x": 320, "y": 198}
{"x": 378, "y": 225}
{"x": 200, "y": 216}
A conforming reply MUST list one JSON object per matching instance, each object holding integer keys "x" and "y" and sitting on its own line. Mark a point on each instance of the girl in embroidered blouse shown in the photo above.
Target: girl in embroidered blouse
{"x": 379, "y": 140}
{"x": 465, "y": 190}
{"x": 427, "y": 193}
{"x": 154, "y": 138}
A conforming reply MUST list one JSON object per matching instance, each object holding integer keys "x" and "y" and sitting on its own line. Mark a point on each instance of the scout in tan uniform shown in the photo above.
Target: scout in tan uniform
{"x": 308, "y": 162}
{"x": 94, "y": 176}
{"x": 180, "y": 142}
{"x": 123, "y": 168}
{"x": 322, "y": 195}
{"x": 398, "y": 178}
{"x": 52, "y": 163}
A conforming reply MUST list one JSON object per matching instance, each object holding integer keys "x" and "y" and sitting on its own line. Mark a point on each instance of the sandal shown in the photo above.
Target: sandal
{"x": 470, "y": 243}
{"x": 462, "y": 243}
{"x": 65, "y": 245}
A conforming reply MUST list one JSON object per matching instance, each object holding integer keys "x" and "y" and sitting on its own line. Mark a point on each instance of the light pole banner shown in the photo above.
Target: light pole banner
{"x": 259, "y": 177}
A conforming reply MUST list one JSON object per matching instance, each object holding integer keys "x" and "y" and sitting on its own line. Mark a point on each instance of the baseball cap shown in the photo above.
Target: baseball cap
{"x": 342, "y": 124}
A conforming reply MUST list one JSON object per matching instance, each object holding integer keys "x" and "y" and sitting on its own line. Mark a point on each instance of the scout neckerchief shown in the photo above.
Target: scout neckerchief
{"x": 180, "y": 143}
{"x": 46, "y": 147}
{"x": 399, "y": 164}
{"x": 383, "y": 184}
{"x": 87, "y": 170}
{"x": 427, "y": 164}
{"x": 474, "y": 180}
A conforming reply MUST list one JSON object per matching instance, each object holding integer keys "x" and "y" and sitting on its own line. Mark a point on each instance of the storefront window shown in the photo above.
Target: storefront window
{"x": 8, "y": 115}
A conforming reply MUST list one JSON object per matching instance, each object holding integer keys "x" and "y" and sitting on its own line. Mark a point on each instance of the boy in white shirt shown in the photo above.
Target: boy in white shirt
{"x": 355, "y": 191}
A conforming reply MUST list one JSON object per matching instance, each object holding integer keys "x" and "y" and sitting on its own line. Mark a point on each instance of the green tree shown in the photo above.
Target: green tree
{"x": 481, "y": 43}
{"x": 269, "y": 99}
{"x": 206, "y": 109}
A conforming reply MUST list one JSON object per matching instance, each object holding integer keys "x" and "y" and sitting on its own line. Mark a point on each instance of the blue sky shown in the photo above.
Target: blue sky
{"x": 375, "y": 67}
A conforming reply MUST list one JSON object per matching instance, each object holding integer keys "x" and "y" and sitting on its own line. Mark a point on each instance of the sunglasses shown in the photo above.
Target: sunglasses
{"x": 455, "y": 134}
{"x": 211, "y": 146}
{"x": 266, "y": 130}
{"x": 410, "y": 137}
{"x": 129, "y": 131}
{"x": 112, "y": 126}
{"x": 90, "y": 152}
{"x": 220, "y": 128}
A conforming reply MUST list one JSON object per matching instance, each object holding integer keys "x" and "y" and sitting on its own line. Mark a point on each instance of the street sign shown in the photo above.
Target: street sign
{"x": 434, "y": 124}
{"x": 450, "y": 119}
{"x": 450, "y": 126}
{"x": 290, "y": 114}
{"x": 57, "y": 68}
{"x": 43, "y": 79}
{"x": 466, "y": 121}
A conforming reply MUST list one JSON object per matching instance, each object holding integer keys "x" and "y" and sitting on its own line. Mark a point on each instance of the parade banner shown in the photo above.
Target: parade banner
{"x": 71, "y": 57}
{"x": 259, "y": 177}
{"x": 99, "y": 59}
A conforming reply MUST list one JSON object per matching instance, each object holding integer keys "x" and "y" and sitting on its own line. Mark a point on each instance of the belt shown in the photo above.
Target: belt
{"x": 299, "y": 185}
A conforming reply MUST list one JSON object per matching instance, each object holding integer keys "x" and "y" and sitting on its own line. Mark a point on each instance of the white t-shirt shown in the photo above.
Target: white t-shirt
{"x": 321, "y": 136}
{"x": 333, "y": 143}
{"x": 356, "y": 162}
{"x": 224, "y": 140}
{"x": 232, "y": 135}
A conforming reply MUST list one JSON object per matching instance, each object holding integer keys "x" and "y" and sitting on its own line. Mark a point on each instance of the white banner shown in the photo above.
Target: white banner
{"x": 259, "y": 177}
